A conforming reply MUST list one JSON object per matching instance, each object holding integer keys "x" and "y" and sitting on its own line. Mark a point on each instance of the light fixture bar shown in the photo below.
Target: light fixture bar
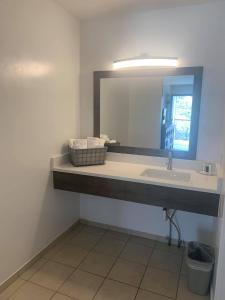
{"x": 145, "y": 62}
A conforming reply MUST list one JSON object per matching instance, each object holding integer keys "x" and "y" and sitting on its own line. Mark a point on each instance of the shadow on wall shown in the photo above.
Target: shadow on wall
{"x": 146, "y": 219}
{"x": 208, "y": 236}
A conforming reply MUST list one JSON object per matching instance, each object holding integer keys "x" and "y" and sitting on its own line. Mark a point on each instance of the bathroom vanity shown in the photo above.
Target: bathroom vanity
{"x": 182, "y": 189}
{"x": 149, "y": 113}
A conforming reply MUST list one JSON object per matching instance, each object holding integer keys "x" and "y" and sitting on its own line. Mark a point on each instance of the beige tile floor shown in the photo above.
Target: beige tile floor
{"x": 93, "y": 263}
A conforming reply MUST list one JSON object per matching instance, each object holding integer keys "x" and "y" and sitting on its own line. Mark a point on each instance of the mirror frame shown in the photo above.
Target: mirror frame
{"x": 197, "y": 72}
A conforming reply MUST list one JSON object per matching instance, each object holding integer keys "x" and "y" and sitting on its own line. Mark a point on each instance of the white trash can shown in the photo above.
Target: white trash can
{"x": 200, "y": 262}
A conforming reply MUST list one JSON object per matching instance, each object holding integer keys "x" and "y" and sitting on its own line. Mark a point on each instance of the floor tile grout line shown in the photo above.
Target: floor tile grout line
{"x": 103, "y": 253}
{"x": 77, "y": 267}
{"x": 70, "y": 242}
{"x": 59, "y": 292}
{"x": 61, "y": 295}
{"x": 142, "y": 278}
{"x": 142, "y": 244}
{"x": 157, "y": 294}
{"x": 91, "y": 273}
{"x": 100, "y": 253}
{"x": 117, "y": 257}
{"x": 68, "y": 265}
{"x": 54, "y": 291}
{"x": 135, "y": 297}
{"x": 106, "y": 278}
{"x": 179, "y": 274}
{"x": 29, "y": 279}
{"x": 131, "y": 261}
{"x": 63, "y": 240}
{"x": 34, "y": 283}
{"x": 179, "y": 277}
{"x": 17, "y": 289}
{"x": 91, "y": 250}
{"x": 164, "y": 269}
{"x": 112, "y": 279}
{"x": 148, "y": 266}
{"x": 51, "y": 260}
{"x": 38, "y": 269}
{"x": 116, "y": 280}
{"x": 177, "y": 285}
{"x": 44, "y": 287}
{"x": 122, "y": 282}
{"x": 99, "y": 288}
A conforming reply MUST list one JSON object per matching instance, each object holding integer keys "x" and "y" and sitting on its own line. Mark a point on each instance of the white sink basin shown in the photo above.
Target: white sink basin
{"x": 166, "y": 174}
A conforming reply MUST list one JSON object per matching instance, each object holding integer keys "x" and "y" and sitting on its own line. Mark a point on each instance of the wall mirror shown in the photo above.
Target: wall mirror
{"x": 149, "y": 112}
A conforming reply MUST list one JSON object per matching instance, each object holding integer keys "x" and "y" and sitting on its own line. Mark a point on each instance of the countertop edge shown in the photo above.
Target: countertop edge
{"x": 123, "y": 178}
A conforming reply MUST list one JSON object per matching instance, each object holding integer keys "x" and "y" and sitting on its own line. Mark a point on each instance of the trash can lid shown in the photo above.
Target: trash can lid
{"x": 200, "y": 252}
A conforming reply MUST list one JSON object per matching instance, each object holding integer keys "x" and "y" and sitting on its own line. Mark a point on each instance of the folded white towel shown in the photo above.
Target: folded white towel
{"x": 78, "y": 143}
{"x": 90, "y": 142}
{"x": 93, "y": 142}
{"x": 105, "y": 137}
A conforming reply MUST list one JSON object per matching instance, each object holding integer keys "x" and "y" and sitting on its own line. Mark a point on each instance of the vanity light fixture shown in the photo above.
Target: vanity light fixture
{"x": 140, "y": 62}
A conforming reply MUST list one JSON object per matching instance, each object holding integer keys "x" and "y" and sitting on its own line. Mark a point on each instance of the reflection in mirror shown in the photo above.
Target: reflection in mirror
{"x": 147, "y": 112}
{"x": 176, "y": 112}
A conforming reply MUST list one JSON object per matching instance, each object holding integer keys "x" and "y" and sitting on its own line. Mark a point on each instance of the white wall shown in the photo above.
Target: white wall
{"x": 39, "y": 110}
{"x": 145, "y": 218}
{"x": 219, "y": 273}
{"x": 195, "y": 35}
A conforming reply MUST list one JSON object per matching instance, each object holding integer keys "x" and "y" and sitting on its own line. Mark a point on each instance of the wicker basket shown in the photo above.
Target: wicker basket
{"x": 87, "y": 157}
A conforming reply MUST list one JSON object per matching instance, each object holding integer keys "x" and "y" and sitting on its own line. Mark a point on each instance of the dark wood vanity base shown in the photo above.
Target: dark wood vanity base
{"x": 180, "y": 199}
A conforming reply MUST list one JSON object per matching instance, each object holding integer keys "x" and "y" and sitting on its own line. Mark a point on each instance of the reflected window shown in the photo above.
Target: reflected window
{"x": 182, "y": 108}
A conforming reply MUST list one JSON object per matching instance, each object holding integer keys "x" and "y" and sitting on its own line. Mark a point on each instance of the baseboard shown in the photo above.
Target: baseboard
{"x": 129, "y": 231}
{"x": 13, "y": 277}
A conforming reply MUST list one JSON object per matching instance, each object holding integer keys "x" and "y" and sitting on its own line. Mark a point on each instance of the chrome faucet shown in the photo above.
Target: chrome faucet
{"x": 170, "y": 161}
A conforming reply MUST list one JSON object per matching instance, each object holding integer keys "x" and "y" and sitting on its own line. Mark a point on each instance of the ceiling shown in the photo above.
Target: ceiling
{"x": 87, "y": 9}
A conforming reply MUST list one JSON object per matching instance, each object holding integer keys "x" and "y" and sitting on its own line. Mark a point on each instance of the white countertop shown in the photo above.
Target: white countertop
{"x": 132, "y": 172}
